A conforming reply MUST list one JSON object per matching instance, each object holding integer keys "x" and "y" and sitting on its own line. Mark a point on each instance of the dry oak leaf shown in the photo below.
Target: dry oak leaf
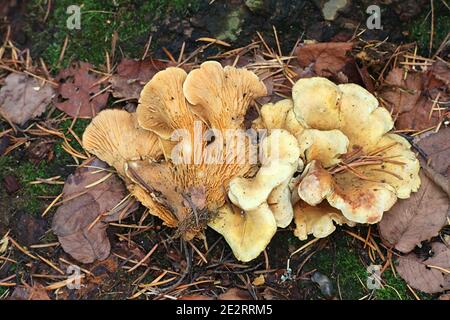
{"x": 437, "y": 149}
{"x": 80, "y": 93}
{"x": 23, "y": 98}
{"x": 430, "y": 275}
{"x": 89, "y": 193}
{"x": 331, "y": 60}
{"x": 131, "y": 76}
{"x": 411, "y": 99}
{"x": 27, "y": 292}
{"x": 419, "y": 218}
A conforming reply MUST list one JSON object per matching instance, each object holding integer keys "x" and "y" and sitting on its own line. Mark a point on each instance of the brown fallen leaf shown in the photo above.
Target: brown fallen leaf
{"x": 437, "y": 148}
{"x": 27, "y": 292}
{"x": 411, "y": 99}
{"x": 81, "y": 222}
{"x": 431, "y": 275}
{"x": 413, "y": 220}
{"x": 23, "y": 98}
{"x": 235, "y": 294}
{"x": 132, "y": 75}
{"x": 79, "y": 89}
{"x": 331, "y": 60}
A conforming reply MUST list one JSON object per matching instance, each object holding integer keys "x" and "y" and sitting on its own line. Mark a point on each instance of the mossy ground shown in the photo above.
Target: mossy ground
{"x": 133, "y": 22}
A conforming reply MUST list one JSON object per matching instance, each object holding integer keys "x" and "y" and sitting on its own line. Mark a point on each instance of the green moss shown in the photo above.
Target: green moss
{"x": 420, "y": 29}
{"x": 343, "y": 264}
{"x": 131, "y": 20}
{"x": 349, "y": 265}
{"x": 27, "y": 172}
{"x": 395, "y": 288}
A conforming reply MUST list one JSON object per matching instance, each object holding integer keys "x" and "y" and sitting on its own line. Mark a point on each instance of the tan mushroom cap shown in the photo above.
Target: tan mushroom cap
{"x": 320, "y": 220}
{"x": 359, "y": 200}
{"x": 115, "y": 137}
{"x": 322, "y": 105}
{"x": 316, "y": 183}
{"x": 247, "y": 233}
{"x": 399, "y": 169}
{"x": 280, "y": 115}
{"x": 162, "y": 106}
{"x": 220, "y": 96}
{"x": 316, "y": 103}
{"x": 280, "y": 161}
{"x": 280, "y": 204}
{"x": 325, "y": 146}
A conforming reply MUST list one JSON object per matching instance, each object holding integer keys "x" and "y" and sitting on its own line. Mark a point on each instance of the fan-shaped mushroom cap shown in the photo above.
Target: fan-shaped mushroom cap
{"x": 279, "y": 201}
{"x": 115, "y": 137}
{"x": 316, "y": 183}
{"x": 325, "y": 146}
{"x": 317, "y": 220}
{"x": 162, "y": 106}
{"x": 280, "y": 115}
{"x": 359, "y": 200}
{"x": 316, "y": 103}
{"x": 220, "y": 96}
{"x": 280, "y": 160}
{"x": 247, "y": 233}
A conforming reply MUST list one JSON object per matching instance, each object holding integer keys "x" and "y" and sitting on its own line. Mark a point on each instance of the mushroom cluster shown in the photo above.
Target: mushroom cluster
{"x": 354, "y": 168}
{"x": 325, "y": 157}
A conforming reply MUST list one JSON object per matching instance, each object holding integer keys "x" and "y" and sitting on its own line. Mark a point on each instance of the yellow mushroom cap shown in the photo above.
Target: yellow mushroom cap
{"x": 220, "y": 96}
{"x": 317, "y": 220}
{"x": 115, "y": 137}
{"x": 162, "y": 106}
{"x": 280, "y": 160}
{"x": 247, "y": 233}
{"x": 325, "y": 146}
{"x": 316, "y": 103}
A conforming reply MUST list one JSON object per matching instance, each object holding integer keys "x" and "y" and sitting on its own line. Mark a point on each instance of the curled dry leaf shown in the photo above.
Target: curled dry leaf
{"x": 411, "y": 97}
{"x": 80, "y": 93}
{"x": 132, "y": 75}
{"x": 330, "y": 60}
{"x": 430, "y": 275}
{"x": 27, "y": 292}
{"x": 413, "y": 220}
{"x": 92, "y": 198}
{"x": 23, "y": 98}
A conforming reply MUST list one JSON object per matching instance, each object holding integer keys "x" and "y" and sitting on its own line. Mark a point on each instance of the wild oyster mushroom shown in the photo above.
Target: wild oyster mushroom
{"x": 174, "y": 104}
{"x": 353, "y": 163}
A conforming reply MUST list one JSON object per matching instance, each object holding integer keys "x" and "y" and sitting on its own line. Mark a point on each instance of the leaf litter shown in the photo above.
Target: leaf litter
{"x": 75, "y": 220}
{"x": 81, "y": 221}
